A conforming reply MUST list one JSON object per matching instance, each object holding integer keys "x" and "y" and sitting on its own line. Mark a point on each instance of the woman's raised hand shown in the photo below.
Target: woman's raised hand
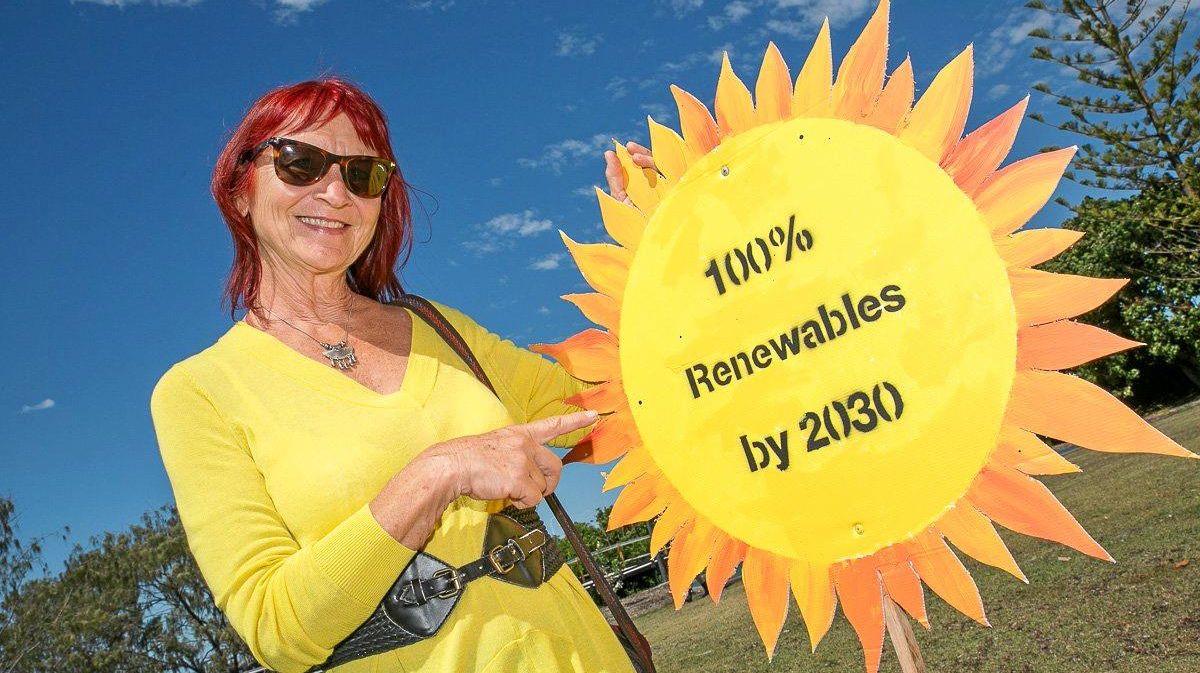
{"x": 507, "y": 463}
{"x": 616, "y": 177}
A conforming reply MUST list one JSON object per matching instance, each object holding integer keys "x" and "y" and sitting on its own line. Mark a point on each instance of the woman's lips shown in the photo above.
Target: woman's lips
{"x": 326, "y": 230}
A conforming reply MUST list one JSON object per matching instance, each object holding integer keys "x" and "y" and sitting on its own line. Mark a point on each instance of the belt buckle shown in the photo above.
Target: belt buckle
{"x": 454, "y": 577}
{"x": 500, "y": 566}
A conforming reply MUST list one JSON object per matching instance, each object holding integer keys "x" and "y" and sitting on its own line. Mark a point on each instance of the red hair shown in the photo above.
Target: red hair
{"x": 300, "y": 107}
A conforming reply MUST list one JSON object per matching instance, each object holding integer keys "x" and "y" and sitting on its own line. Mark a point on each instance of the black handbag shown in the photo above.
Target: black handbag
{"x": 635, "y": 644}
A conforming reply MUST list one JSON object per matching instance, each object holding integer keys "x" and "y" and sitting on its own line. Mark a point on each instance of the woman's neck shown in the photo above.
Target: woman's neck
{"x": 318, "y": 300}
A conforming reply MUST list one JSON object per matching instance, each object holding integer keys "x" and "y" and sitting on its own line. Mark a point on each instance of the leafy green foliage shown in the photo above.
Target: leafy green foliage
{"x": 619, "y": 547}
{"x": 1142, "y": 106}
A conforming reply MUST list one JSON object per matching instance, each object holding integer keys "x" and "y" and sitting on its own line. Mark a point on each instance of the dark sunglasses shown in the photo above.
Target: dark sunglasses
{"x": 300, "y": 164}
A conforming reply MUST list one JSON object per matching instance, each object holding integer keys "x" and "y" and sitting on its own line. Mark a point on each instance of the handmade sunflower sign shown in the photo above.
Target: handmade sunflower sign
{"x": 824, "y": 350}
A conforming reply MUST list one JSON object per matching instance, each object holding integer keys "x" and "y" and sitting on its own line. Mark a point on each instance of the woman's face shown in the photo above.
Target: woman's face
{"x": 278, "y": 211}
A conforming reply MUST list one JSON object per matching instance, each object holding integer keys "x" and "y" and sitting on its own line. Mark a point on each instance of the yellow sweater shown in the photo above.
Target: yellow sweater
{"x": 273, "y": 458}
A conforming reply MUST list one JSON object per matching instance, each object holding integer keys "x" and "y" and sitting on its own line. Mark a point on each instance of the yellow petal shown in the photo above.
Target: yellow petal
{"x": 671, "y": 153}
{"x": 812, "y": 587}
{"x": 622, "y": 221}
{"x": 811, "y": 97}
{"x": 669, "y": 523}
{"x": 971, "y": 532}
{"x": 1028, "y": 248}
{"x": 895, "y": 101}
{"x": 1012, "y": 195}
{"x": 860, "y": 76}
{"x": 635, "y": 464}
{"x": 937, "y": 121}
{"x": 1070, "y": 409}
{"x": 900, "y": 582}
{"x": 605, "y": 267}
{"x": 689, "y": 553}
{"x": 773, "y": 91}
{"x": 699, "y": 130}
{"x": 604, "y": 397}
{"x": 1064, "y": 344}
{"x": 640, "y": 183}
{"x": 599, "y": 308}
{"x": 766, "y": 578}
{"x": 1042, "y": 297}
{"x": 1024, "y": 505}
{"x": 975, "y": 158}
{"x": 609, "y": 439}
{"x": 735, "y": 112}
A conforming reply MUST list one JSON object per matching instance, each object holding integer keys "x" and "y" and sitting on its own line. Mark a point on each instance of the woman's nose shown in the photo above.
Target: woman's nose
{"x": 331, "y": 188}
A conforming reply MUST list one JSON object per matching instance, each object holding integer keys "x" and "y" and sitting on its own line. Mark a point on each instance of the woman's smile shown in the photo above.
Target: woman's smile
{"x": 323, "y": 225}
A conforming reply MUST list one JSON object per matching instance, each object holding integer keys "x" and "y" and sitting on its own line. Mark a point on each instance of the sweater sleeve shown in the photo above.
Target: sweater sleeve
{"x": 531, "y": 386}
{"x": 290, "y": 605}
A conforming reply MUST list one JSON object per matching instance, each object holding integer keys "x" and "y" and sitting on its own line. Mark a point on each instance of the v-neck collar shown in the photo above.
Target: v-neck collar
{"x": 418, "y": 380}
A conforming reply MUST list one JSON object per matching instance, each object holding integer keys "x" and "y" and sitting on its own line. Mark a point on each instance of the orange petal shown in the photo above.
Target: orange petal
{"x": 640, "y": 183}
{"x": 1064, "y": 344}
{"x": 735, "y": 112}
{"x": 622, "y": 221}
{"x": 1024, "y": 451}
{"x": 637, "y": 502}
{"x": 1068, "y": 408}
{"x": 812, "y": 587}
{"x": 860, "y": 76}
{"x": 727, "y": 554}
{"x": 975, "y": 158}
{"x": 1043, "y": 297}
{"x": 861, "y": 594}
{"x": 1011, "y": 196}
{"x": 609, "y": 439}
{"x": 605, "y": 267}
{"x": 699, "y": 130}
{"x": 689, "y": 554}
{"x": 945, "y": 574}
{"x": 895, "y": 101}
{"x": 773, "y": 91}
{"x": 671, "y": 154}
{"x": 813, "y": 84}
{"x": 667, "y": 524}
{"x": 766, "y": 578}
{"x": 1027, "y": 248}
{"x": 599, "y": 308}
{"x": 971, "y": 532}
{"x": 937, "y": 121}
{"x": 901, "y": 583}
{"x": 604, "y": 397}
{"x": 633, "y": 465}
{"x": 1023, "y": 504}
{"x": 590, "y": 355}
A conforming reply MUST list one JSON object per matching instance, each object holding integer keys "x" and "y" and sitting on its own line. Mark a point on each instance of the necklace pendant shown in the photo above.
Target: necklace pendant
{"x": 340, "y": 354}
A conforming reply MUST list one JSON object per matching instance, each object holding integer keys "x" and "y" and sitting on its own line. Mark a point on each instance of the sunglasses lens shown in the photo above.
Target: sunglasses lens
{"x": 298, "y": 165}
{"x": 366, "y": 177}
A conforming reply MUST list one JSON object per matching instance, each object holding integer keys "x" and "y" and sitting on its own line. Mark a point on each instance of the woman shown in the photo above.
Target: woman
{"x": 330, "y": 439}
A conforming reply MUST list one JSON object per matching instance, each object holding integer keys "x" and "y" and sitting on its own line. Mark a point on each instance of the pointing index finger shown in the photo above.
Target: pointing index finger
{"x": 545, "y": 429}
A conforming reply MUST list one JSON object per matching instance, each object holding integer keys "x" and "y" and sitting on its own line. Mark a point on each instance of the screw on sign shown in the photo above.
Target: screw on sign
{"x": 755, "y": 257}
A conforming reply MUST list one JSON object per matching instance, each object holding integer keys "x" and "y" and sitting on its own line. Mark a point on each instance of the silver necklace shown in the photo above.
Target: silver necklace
{"x": 340, "y": 354}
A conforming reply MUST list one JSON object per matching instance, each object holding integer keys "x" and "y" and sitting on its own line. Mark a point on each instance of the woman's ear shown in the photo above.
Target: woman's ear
{"x": 243, "y": 206}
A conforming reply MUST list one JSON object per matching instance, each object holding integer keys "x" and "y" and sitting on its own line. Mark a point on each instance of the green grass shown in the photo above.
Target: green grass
{"x": 1076, "y": 614}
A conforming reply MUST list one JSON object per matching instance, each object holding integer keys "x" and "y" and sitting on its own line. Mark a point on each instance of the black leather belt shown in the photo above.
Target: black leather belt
{"x": 516, "y": 549}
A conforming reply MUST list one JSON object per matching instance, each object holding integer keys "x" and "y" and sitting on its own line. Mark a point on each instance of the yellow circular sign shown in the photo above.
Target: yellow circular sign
{"x": 818, "y": 339}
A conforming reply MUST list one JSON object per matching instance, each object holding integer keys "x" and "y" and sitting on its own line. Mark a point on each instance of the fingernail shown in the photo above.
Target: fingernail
{"x": 591, "y": 413}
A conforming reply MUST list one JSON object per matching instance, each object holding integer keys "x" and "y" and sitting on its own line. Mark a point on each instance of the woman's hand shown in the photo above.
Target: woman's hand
{"x": 616, "y": 177}
{"x": 506, "y": 463}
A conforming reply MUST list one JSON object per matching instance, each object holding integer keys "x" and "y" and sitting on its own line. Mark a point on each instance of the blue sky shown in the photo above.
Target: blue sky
{"x": 114, "y": 254}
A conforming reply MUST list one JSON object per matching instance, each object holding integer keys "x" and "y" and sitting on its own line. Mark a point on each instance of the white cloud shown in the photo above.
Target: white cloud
{"x": 1012, "y": 37}
{"x": 40, "y": 406}
{"x": 617, "y": 88}
{"x": 430, "y": 5}
{"x": 681, "y": 7}
{"x": 543, "y": 310}
{"x": 733, "y": 13}
{"x": 573, "y": 44}
{"x": 998, "y": 90}
{"x": 817, "y": 10}
{"x": 557, "y": 155}
{"x": 122, "y": 4}
{"x": 548, "y": 262}
{"x": 284, "y": 11}
{"x": 501, "y": 232}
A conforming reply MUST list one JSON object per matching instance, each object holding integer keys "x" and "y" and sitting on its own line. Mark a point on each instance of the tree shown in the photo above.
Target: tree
{"x": 1153, "y": 238}
{"x": 21, "y": 634}
{"x": 1145, "y": 115}
{"x": 136, "y": 602}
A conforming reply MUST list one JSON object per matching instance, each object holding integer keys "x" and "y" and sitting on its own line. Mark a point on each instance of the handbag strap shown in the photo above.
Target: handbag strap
{"x": 430, "y": 314}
